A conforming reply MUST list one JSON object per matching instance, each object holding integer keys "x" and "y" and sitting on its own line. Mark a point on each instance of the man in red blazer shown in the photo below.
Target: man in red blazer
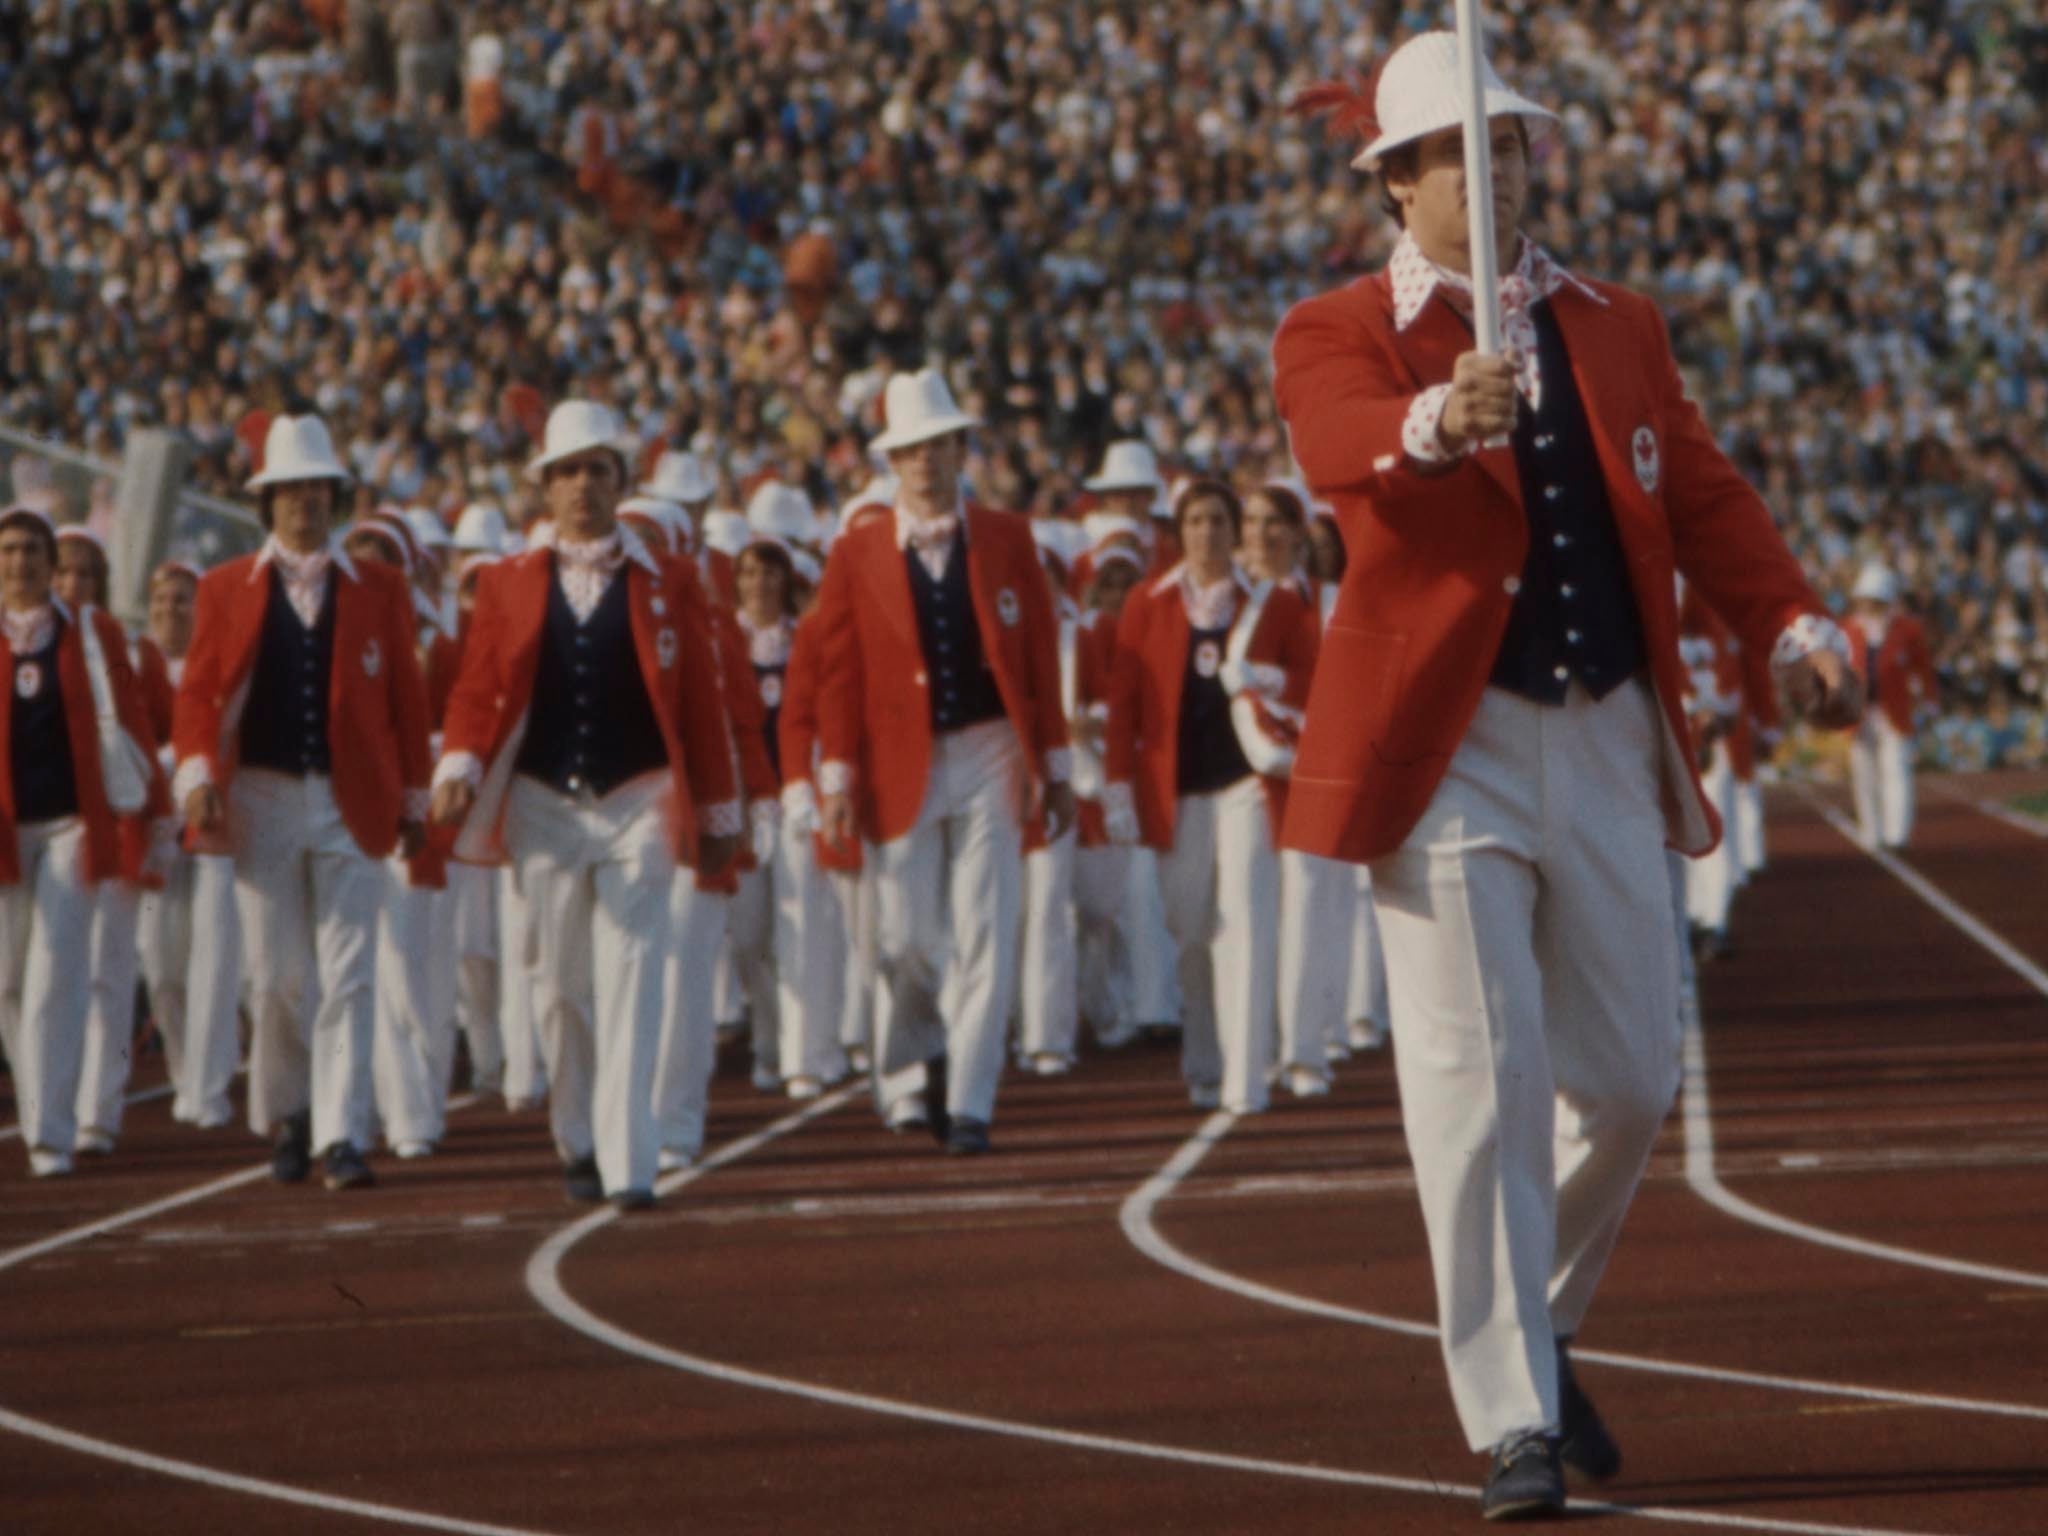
{"x": 587, "y": 740}
{"x": 301, "y": 736}
{"x": 80, "y": 777}
{"x": 1497, "y": 727}
{"x": 939, "y": 700}
{"x": 1889, "y": 650}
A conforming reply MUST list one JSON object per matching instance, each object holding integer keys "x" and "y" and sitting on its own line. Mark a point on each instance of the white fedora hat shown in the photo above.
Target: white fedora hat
{"x": 917, "y": 407}
{"x": 681, "y": 477}
{"x": 1417, "y": 95}
{"x": 577, "y": 426}
{"x": 783, "y": 512}
{"x": 298, "y": 448}
{"x": 481, "y": 527}
{"x": 727, "y": 532}
{"x": 1875, "y": 583}
{"x": 1129, "y": 465}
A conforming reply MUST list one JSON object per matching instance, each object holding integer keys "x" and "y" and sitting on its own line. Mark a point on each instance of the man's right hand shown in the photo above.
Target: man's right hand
{"x": 835, "y": 819}
{"x": 204, "y": 812}
{"x": 1481, "y": 404}
{"x": 451, "y": 803}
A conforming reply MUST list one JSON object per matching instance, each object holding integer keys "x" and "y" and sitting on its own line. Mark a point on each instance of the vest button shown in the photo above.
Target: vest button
{"x": 1567, "y": 591}
{"x": 920, "y": 680}
{"x": 1512, "y": 585}
{"x": 1560, "y": 673}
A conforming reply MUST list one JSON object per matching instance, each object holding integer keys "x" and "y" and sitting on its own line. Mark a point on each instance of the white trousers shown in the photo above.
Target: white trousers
{"x": 472, "y": 906}
{"x": 526, "y": 1071}
{"x": 1749, "y": 820}
{"x": 1155, "y": 975}
{"x": 110, "y": 1013}
{"x": 1049, "y": 1005}
{"x": 854, "y": 895}
{"x": 45, "y": 946}
{"x": 1531, "y": 960}
{"x": 1319, "y": 900}
{"x": 686, "y": 1052}
{"x": 308, "y": 901}
{"x": 163, "y": 941}
{"x": 212, "y": 994}
{"x": 1710, "y": 881}
{"x": 1881, "y": 775}
{"x": 1221, "y": 886}
{"x": 414, "y": 1052}
{"x": 598, "y": 879}
{"x": 1366, "y": 995}
{"x": 1105, "y": 987}
{"x": 948, "y": 893}
{"x": 799, "y": 949}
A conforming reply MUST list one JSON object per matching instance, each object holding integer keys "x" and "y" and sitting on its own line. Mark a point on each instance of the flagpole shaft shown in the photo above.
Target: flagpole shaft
{"x": 1478, "y": 178}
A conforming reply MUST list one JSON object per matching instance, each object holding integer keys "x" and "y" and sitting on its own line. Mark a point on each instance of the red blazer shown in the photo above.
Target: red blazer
{"x": 797, "y": 733}
{"x": 873, "y": 709}
{"x": 748, "y": 721}
{"x": 444, "y": 665}
{"x": 487, "y": 711}
{"x": 114, "y": 844}
{"x": 1433, "y": 557}
{"x": 376, "y": 701}
{"x": 1149, "y": 671}
{"x": 1905, "y": 670}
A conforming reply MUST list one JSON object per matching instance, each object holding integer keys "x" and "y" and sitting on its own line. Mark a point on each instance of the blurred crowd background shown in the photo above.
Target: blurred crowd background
{"x": 428, "y": 220}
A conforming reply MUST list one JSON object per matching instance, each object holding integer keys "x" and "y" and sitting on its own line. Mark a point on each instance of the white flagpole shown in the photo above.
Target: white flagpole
{"x": 1478, "y": 178}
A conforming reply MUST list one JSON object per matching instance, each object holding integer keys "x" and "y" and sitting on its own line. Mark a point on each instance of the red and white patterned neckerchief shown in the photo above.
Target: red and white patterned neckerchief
{"x": 305, "y": 578}
{"x": 931, "y": 537}
{"x": 769, "y": 646}
{"x": 1210, "y": 607}
{"x": 1536, "y": 276}
{"x": 586, "y": 567}
{"x": 29, "y": 632}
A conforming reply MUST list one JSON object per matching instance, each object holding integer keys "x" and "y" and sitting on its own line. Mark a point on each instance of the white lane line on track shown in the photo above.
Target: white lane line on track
{"x": 544, "y": 1283}
{"x": 160, "y": 1091}
{"x": 197, "y": 1472}
{"x": 1140, "y": 1225}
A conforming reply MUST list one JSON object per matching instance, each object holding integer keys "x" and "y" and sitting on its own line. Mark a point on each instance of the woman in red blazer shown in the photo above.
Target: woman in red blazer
{"x": 1211, "y": 672}
{"x": 1889, "y": 650}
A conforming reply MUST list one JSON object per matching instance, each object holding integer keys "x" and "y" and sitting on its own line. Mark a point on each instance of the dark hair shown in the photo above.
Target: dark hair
{"x": 778, "y": 557}
{"x": 1286, "y": 502}
{"x": 33, "y": 521}
{"x": 101, "y": 575}
{"x": 1196, "y": 489}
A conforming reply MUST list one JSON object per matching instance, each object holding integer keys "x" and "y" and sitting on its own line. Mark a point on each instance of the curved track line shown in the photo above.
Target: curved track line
{"x": 160, "y": 1091}
{"x": 1141, "y": 1227}
{"x": 544, "y": 1283}
{"x": 198, "y": 1472}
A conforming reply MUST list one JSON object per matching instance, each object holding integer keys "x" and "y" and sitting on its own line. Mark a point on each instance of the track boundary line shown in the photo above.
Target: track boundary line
{"x": 544, "y": 1283}
{"x": 1140, "y": 1226}
{"x": 198, "y": 1472}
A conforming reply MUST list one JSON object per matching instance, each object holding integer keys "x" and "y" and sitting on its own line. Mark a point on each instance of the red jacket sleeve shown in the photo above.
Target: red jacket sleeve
{"x": 1042, "y": 656}
{"x": 708, "y": 757}
{"x": 132, "y": 709}
{"x": 469, "y": 722}
{"x": 408, "y": 689}
{"x": 797, "y": 725}
{"x": 839, "y": 661}
{"x": 1126, "y": 678}
{"x": 201, "y": 702}
{"x": 743, "y": 705}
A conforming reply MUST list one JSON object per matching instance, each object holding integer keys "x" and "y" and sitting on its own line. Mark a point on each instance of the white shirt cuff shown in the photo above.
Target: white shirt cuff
{"x": 1419, "y": 439}
{"x": 1059, "y": 765}
{"x": 835, "y": 777}
{"x": 459, "y": 768}
{"x": 191, "y": 774}
{"x": 1806, "y": 635}
{"x": 724, "y": 819}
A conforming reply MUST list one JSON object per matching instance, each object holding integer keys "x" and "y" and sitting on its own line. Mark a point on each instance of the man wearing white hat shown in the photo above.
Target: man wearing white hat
{"x": 301, "y": 735}
{"x": 1497, "y": 726}
{"x": 587, "y": 739}
{"x": 684, "y": 479}
{"x": 939, "y": 703}
{"x": 1889, "y": 649}
{"x": 1129, "y": 484}
{"x": 78, "y": 759}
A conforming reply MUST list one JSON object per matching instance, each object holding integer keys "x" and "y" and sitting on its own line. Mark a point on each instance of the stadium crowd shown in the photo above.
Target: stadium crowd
{"x": 733, "y": 223}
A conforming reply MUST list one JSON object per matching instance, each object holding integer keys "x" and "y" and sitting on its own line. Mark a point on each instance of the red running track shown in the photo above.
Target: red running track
{"x": 1872, "y": 1072}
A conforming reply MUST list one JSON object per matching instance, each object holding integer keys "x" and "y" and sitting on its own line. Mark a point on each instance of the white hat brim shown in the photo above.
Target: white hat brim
{"x": 1498, "y": 104}
{"x": 1103, "y": 485}
{"x": 924, "y": 431}
{"x": 615, "y": 445}
{"x": 297, "y": 472}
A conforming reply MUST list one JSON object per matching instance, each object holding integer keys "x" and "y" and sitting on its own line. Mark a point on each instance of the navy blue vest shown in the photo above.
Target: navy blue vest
{"x": 1208, "y": 757}
{"x": 770, "y": 680}
{"x": 284, "y": 720}
{"x": 1574, "y": 615}
{"x": 39, "y": 739}
{"x": 592, "y": 726}
{"x": 963, "y": 691}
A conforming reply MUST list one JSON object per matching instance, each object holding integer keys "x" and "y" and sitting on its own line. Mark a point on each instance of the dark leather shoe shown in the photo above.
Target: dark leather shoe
{"x": 1584, "y": 1445}
{"x": 580, "y": 1180}
{"x": 346, "y": 1169}
{"x": 291, "y": 1155}
{"x": 968, "y": 1138}
{"x": 633, "y": 1200}
{"x": 1525, "y": 1481}
{"x": 936, "y": 1117}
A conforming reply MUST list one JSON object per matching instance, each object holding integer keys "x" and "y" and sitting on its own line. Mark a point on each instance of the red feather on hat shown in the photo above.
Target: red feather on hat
{"x": 522, "y": 402}
{"x": 1347, "y": 105}
{"x": 251, "y": 432}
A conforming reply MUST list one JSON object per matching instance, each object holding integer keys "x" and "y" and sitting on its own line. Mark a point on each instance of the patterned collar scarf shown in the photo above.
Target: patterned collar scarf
{"x": 1534, "y": 278}
{"x": 586, "y": 567}
{"x": 29, "y": 632}
{"x": 769, "y": 645}
{"x": 305, "y": 577}
{"x": 1210, "y": 607}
